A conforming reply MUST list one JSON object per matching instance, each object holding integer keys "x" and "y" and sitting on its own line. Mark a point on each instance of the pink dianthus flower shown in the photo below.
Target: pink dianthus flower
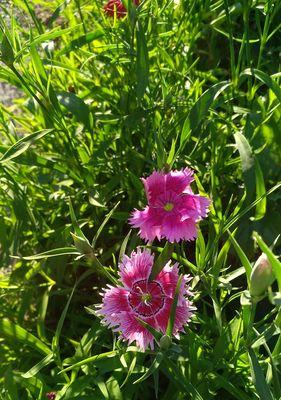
{"x": 173, "y": 209}
{"x": 148, "y": 301}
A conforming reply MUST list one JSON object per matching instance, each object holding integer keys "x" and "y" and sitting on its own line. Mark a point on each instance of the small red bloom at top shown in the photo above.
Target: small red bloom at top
{"x": 51, "y": 395}
{"x": 117, "y": 5}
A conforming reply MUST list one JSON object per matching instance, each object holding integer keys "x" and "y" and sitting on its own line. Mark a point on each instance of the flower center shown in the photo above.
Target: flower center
{"x": 168, "y": 206}
{"x": 146, "y": 298}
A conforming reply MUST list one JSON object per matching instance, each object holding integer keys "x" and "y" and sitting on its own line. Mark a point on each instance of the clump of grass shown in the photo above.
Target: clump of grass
{"x": 104, "y": 102}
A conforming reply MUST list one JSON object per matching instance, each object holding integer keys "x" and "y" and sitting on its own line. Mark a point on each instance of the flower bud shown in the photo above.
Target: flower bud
{"x": 262, "y": 276}
{"x": 165, "y": 342}
{"x": 82, "y": 245}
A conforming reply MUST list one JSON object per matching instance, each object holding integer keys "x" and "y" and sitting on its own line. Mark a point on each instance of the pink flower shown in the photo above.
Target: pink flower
{"x": 117, "y": 5}
{"x": 149, "y": 301}
{"x": 173, "y": 209}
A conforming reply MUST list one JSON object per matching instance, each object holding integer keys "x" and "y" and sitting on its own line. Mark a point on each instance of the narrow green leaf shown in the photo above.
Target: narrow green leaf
{"x": 242, "y": 256}
{"x": 247, "y": 162}
{"x": 36, "y": 368}
{"x": 108, "y": 216}
{"x": 171, "y": 154}
{"x": 113, "y": 389}
{"x": 90, "y": 360}
{"x": 23, "y": 144}
{"x": 154, "y": 366}
{"x": 162, "y": 260}
{"x": 130, "y": 370}
{"x": 53, "y": 34}
{"x": 99, "y": 381}
{"x": 57, "y": 12}
{"x": 267, "y": 334}
{"x": 260, "y": 191}
{"x": 160, "y": 154}
{"x": 33, "y": 384}
{"x": 142, "y": 64}
{"x": 7, "y": 53}
{"x": 222, "y": 382}
{"x": 62, "y": 251}
{"x": 42, "y": 314}
{"x": 10, "y": 385}
{"x": 78, "y": 231}
{"x": 200, "y": 110}
{"x": 266, "y": 79}
{"x": 172, "y": 317}
{"x": 234, "y": 218}
{"x": 76, "y": 106}
{"x": 259, "y": 381}
{"x": 81, "y": 41}
{"x": 55, "y": 341}
{"x": 171, "y": 370}
{"x": 18, "y": 334}
{"x": 124, "y": 246}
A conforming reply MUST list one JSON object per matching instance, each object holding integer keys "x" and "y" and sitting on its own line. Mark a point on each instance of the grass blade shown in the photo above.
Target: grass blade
{"x": 258, "y": 377}
{"x": 34, "y": 370}
{"x": 62, "y": 251}
{"x": 18, "y": 334}
{"x": 23, "y": 144}
{"x": 142, "y": 65}
{"x": 154, "y": 366}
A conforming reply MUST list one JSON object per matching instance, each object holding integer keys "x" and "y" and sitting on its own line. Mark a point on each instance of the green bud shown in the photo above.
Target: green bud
{"x": 82, "y": 245}
{"x": 262, "y": 276}
{"x": 165, "y": 342}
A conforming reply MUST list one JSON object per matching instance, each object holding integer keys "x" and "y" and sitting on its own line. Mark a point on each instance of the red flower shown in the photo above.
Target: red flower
{"x": 121, "y": 10}
{"x": 51, "y": 395}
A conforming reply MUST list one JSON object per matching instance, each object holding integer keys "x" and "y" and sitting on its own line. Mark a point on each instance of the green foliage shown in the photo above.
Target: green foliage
{"x": 102, "y": 102}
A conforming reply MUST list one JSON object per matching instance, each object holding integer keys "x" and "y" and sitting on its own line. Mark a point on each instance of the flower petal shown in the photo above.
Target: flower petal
{"x": 132, "y": 330}
{"x": 154, "y": 185}
{"x": 175, "y": 230}
{"x": 149, "y": 222}
{"x": 177, "y": 181}
{"x": 136, "y": 267}
{"x": 168, "y": 279}
{"x": 159, "y": 183}
{"x": 183, "y": 315}
{"x": 194, "y": 206}
{"x": 115, "y": 301}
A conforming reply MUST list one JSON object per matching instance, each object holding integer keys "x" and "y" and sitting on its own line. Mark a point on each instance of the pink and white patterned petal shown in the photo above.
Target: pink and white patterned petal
{"x": 144, "y": 299}
{"x": 135, "y": 268}
{"x": 132, "y": 330}
{"x": 168, "y": 278}
{"x": 183, "y": 315}
{"x": 115, "y": 301}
